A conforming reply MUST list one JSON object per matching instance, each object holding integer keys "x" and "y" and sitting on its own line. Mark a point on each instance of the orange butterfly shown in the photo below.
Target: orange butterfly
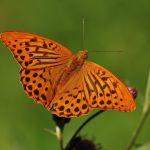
{"x": 62, "y": 81}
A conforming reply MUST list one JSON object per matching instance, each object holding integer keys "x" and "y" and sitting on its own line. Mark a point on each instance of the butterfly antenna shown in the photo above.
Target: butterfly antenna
{"x": 83, "y": 40}
{"x": 83, "y": 36}
{"x": 106, "y": 51}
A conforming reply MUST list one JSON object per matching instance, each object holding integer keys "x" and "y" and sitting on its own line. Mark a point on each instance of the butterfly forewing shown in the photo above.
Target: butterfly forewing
{"x": 33, "y": 51}
{"x": 107, "y": 91}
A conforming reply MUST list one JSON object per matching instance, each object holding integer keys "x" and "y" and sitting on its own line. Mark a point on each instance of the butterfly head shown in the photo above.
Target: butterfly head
{"x": 82, "y": 55}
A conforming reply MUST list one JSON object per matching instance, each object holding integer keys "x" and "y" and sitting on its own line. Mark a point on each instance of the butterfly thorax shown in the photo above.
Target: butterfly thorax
{"x": 76, "y": 61}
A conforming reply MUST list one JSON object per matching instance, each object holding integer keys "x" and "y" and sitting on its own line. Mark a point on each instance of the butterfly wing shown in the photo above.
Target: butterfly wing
{"x": 33, "y": 51}
{"x": 92, "y": 87}
{"x": 70, "y": 100}
{"x": 104, "y": 90}
{"x": 40, "y": 58}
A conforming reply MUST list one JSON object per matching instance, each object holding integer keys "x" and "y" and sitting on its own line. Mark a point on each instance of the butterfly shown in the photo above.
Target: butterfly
{"x": 64, "y": 82}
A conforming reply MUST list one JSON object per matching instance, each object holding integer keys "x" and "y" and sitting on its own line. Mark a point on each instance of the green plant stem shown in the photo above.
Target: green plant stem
{"x": 61, "y": 141}
{"x": 137, "y": 130}
{"x": 81, "y": 127}
{"x": 59, "y": 135}
{"x": 146, "y": 110}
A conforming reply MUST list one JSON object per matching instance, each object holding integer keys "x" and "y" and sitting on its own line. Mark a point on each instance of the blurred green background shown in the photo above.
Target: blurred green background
{"x": 109, "y": 26}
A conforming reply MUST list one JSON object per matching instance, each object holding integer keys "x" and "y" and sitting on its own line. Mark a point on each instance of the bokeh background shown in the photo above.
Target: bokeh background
{"x": 109, "y": 26}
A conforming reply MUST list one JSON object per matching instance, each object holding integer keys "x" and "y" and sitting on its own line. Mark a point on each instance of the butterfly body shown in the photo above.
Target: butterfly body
{"x": 62, "y": 81}
{"x": 76, "y": 61}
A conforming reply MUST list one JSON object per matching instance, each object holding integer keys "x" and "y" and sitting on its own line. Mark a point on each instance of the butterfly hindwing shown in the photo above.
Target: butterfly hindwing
{"x": 70, "y": 101}
{"x": 37, "y": 85}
